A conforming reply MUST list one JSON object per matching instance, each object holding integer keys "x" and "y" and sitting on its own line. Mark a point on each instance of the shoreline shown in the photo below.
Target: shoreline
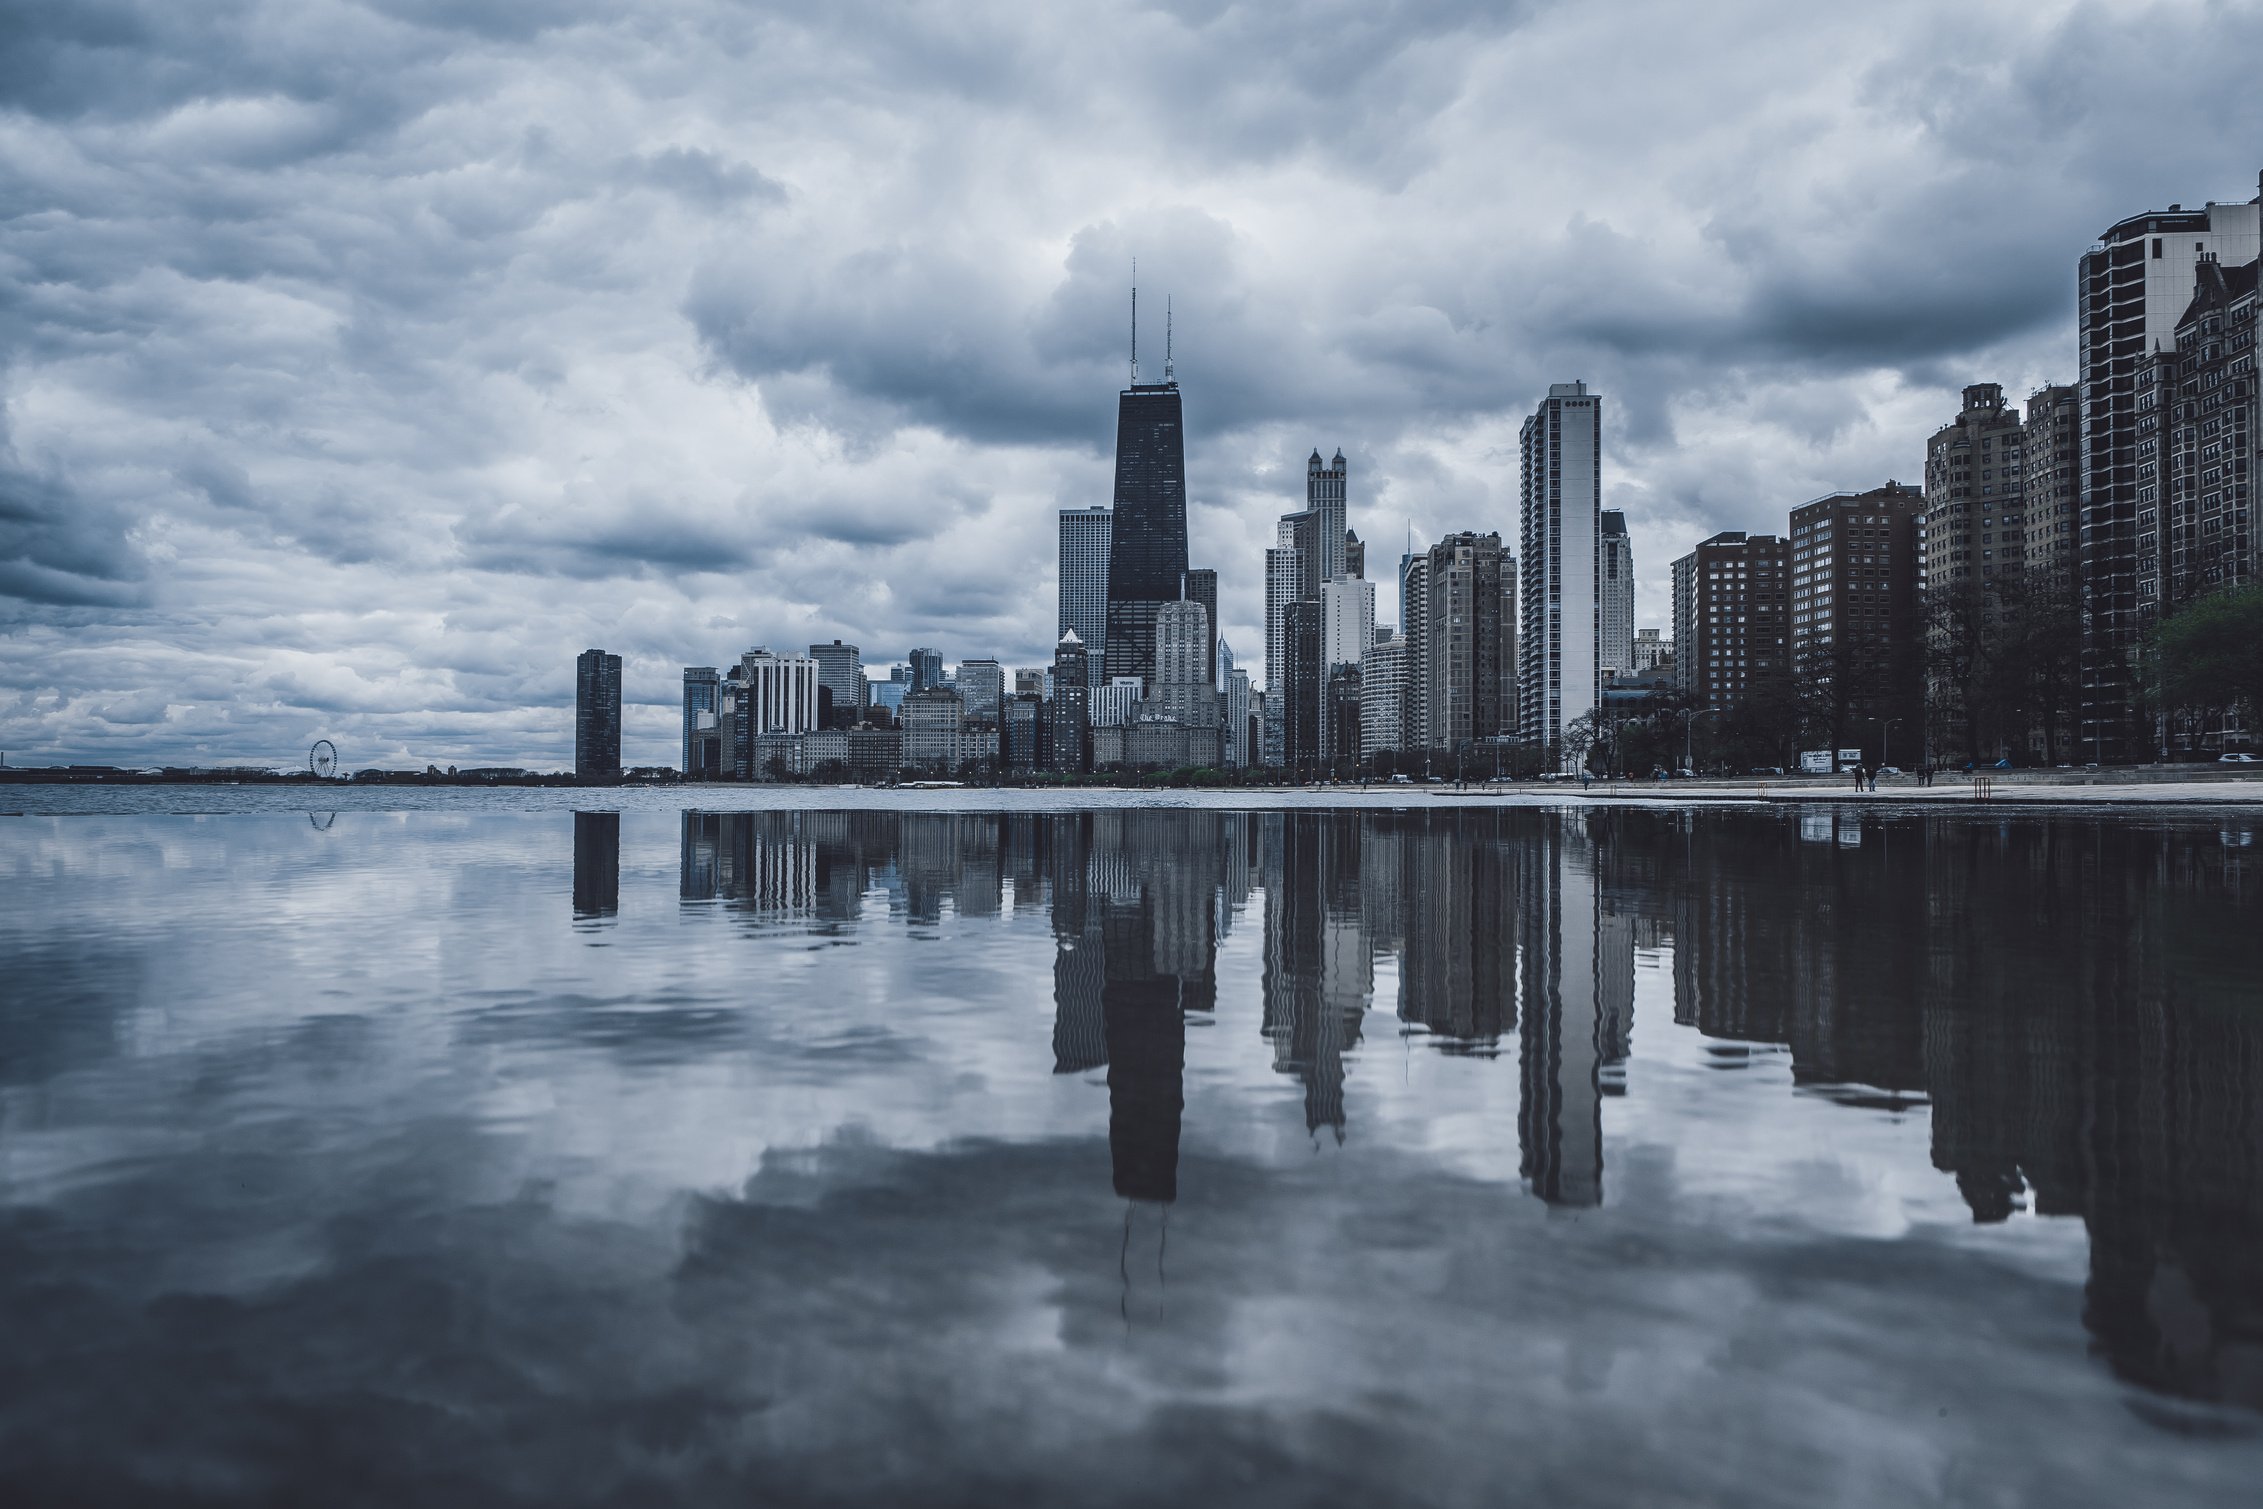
{"x": 65, "y": 799}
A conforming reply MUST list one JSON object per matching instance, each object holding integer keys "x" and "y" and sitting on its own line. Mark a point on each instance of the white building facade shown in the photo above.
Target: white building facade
{"x": 1559, "y": 665}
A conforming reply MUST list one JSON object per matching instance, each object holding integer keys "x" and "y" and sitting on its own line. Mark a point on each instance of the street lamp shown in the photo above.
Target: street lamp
{"x": 1885, "y": 734}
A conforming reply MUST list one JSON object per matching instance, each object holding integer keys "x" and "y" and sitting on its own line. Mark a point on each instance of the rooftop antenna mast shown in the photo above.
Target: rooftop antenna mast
{"x": 1167, "y": 374}
{"x": 1135, "y": 322}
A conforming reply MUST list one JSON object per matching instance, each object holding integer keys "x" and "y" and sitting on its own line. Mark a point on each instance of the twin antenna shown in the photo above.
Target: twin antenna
{"x": 1167, "y": 370}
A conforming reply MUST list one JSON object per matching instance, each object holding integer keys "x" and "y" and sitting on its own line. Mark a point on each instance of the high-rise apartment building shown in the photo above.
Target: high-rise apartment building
{"x": 1147, "y": 551}
{"x": 1382, "y": 695}
{"x": 1857, "y": 635}
{"x": 1072, "y": 705}
{"x": 1732, "y": 611}
{"x": 597, "y": 716}
{"x": 1347, "y": 620}
{"x": 1347, "y": 628}
{"x": 1284, "y": 584}
{"x": 1085, "y": 534}
{"x": 840, "y": 684}
{"x": 1465, "y": 619}
{"x": 1559, "y": 678}
{"x": 1184, "y": 693}
{"x": 2131, "y": 289}
{"x": 925, "y": 669}
{"x": 1414, "y": 598}
{"x": 2198, "y": 423}
{"x": 1614, "y": 595}
{"x": 1300, "y": 685}
{"x": 2050, "y": 446}
{"x": 1975, "y": 479}
{"x": 703, "y": 684}
{"x": 1355, "y": 555}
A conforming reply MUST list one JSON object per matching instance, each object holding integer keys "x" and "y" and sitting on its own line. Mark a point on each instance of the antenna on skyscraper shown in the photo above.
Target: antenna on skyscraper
{"x": 1167, "y": 377}
{"x": 1135, "y": 322}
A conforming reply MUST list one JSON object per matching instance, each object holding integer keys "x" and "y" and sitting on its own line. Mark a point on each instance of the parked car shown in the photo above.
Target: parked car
{"x": 1402, "y": 779}
{"x": 2235, "y": 758}
{"x": 1889, "y": 770}
{"x": 1686, "y": 774}
{"x": 1767, "y": 770}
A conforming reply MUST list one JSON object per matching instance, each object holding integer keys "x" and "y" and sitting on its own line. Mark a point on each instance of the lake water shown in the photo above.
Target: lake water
{"x": 1461, "y": 1155}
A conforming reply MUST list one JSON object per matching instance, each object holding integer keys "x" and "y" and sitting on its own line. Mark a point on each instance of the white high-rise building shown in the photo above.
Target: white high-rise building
{"x": 781, "y": 692}
{"x": 1183, "y": 692}
{"x": 1559, "y": 665}
{"x": 1382, "y": 696}
{"x": 1614, "y": 586}
{"x": 1347, "y": 621}
{"x": 1117, "y": 703}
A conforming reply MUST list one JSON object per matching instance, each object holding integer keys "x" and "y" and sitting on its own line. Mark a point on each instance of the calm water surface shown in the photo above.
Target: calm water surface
{"x": 1460, "y": 1156}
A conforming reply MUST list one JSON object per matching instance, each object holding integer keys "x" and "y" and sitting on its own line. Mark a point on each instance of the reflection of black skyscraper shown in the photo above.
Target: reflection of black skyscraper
{"x": 597, "y": 864}
{"x": 1146, "y": 1032}
{"x": 1147, "y": 550}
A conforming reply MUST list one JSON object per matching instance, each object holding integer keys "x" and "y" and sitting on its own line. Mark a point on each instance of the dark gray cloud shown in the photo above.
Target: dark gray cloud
{"x": 363, "y": 358}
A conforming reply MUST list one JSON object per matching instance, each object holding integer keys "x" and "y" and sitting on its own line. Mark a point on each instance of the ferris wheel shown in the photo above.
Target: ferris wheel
{"x": 323, "y": 759}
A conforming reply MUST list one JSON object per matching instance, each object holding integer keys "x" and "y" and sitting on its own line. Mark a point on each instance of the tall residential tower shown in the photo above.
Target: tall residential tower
{"x": 1558, "y": 669}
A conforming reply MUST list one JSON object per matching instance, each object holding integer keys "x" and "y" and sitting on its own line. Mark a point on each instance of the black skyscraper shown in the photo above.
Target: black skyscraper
{"x": 1147, "y": 552}
{"x": 597, "y": 716}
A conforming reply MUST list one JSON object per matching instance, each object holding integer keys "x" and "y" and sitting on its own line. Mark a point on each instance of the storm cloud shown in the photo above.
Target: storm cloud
{"x": 363, "y": 362}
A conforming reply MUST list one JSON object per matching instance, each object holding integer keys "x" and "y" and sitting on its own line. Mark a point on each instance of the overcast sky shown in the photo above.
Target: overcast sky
{"x": 364, "y": 362}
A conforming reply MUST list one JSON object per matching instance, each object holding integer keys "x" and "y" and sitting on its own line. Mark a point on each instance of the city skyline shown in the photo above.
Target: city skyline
{"x": 351, "y": 444}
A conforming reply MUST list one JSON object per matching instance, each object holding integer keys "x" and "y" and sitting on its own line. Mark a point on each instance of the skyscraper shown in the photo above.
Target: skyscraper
{"x": 1975, "y": 526}
{"x": 2129, "y": 293}
{"x": 1857, "y": 639}
{"x": 2050, "y": 445}
{"x": 1147, "y": 549}
{"x": 1184, "y": 692}
{"x": 840, "y": 672}
{"x": 597, "y": 716}
{"x": 2201, "y": 406}
{"x": 1072, "y": 705}
{"x": 1382, "y": 696}
{"x": 1467, "y": 632}
{"x": 982, "y": 687}
{"x": 1284, "y": 584}
{"x": 1614, "y": 586}
{"x": 1732, "y": 617}
{"x": 781, "y": 692}
{"x": 1558, "y": 673}
{"x": 702, "y": 685}
{"x": 926, "y": 669}
{"x": 1200, "y": 585}
{"x": 1084, "y": 579}
{"x": 1324, "y": 500}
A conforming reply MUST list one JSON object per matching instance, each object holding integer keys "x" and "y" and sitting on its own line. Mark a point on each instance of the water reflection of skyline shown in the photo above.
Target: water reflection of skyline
{"x": 2104, "y": 1068}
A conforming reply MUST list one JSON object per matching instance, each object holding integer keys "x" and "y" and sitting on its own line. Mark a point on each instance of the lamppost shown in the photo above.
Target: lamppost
{"x": 1885, "y": 734}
